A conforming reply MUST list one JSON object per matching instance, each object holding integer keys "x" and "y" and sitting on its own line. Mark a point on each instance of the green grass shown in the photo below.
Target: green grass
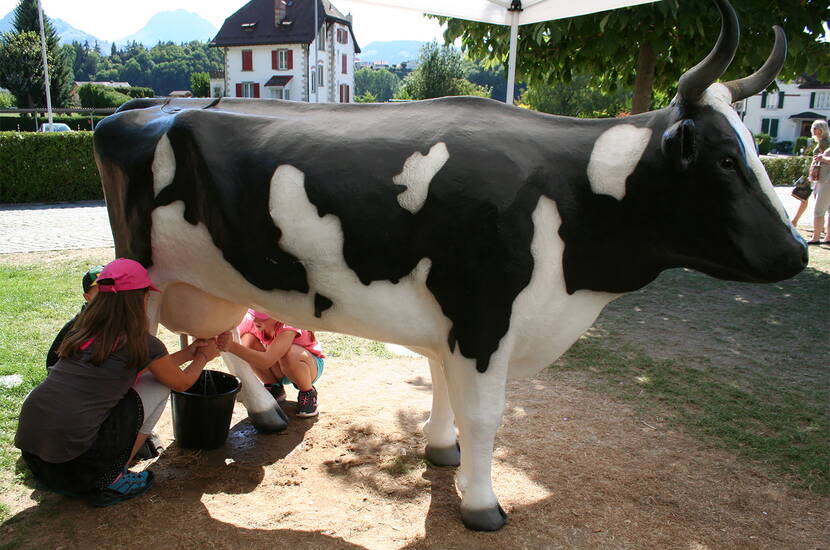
{"x": 760, "y": 388}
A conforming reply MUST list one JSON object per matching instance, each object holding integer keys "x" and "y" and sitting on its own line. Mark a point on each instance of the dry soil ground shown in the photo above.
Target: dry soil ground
{"x": 574, "y": 468}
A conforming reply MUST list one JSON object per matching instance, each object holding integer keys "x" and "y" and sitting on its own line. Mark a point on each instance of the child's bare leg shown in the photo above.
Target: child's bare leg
{"x": 299, "y": 366}
{"x": 267, "y": 376}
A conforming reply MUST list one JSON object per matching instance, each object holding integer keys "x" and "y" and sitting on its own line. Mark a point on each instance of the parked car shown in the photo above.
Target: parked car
{"x": 55, "y": 127}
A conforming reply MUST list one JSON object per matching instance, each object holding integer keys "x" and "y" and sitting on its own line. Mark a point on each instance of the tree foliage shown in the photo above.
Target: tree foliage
{"x": 576, "y": 98}
{"x": 381, "y": 84}
{"x": 18, "y": 70}
{"x": 200, "y": 84}
{"x": 440, "y": 73}
{"x": 678, "y": 33}
{"x": 164, "y": 67}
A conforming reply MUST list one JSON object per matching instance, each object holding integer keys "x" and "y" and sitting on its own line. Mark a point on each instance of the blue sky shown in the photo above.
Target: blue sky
{"x": 114, "y": 19}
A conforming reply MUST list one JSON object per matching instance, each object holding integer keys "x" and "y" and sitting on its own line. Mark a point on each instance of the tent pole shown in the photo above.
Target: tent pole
{"x": 511, "y": 63}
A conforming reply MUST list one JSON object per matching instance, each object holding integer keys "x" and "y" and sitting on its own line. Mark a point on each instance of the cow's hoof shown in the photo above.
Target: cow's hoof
{"x": 491, "y": 519}
{"x": 270, "y": 421}
{"x": 443, "y": 456}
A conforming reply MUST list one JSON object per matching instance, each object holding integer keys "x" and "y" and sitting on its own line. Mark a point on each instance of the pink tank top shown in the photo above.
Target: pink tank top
{"x": 303, "y": 338}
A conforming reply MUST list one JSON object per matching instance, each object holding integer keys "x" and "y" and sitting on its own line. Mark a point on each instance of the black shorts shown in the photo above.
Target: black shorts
{"x": 99, "y": 465}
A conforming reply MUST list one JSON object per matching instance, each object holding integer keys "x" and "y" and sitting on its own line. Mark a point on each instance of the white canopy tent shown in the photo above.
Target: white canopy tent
{"x": 507, "y": 12}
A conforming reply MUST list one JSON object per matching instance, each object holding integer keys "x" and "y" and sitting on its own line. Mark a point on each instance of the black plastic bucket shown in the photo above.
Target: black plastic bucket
{"x": 202, "y": 414}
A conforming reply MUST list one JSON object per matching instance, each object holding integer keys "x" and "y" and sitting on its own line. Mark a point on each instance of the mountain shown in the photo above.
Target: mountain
{"x": 172, "y": 26}
{"x": 6, "y": 22}
{"x": 69, "y": 34}
{"x": 66, "y": 32}
{"x": 392, "y": 52}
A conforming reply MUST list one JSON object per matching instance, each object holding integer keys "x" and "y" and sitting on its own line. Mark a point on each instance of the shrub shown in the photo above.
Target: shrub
{"x": 135, "y": 91}
{"x": 7, "y": 100}
{"x": 803, "y": 143}
{"x": 764, "y": 142}
{"x": 785, "y": 170}
{"x": 45, "y": 167}
{"x": 92, "y": 95}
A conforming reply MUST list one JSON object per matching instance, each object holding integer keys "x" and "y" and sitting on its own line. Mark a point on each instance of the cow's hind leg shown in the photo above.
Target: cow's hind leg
{"x": 263, "y": 410}
{"x": 478, "y": 401}
{"x": 442, "y": 442}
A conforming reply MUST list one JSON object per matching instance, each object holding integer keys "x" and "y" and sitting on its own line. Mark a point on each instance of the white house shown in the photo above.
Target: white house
{"x": 787, "y": 114}
{"x": 274, "y": 49}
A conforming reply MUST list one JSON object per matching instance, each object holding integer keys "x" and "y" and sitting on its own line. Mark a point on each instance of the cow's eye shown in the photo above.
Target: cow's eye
{"x": 727, "y": 163}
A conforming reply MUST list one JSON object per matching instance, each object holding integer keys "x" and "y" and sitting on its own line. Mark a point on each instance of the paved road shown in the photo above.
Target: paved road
{"x": 69, "y": 226}
{"x": 63, "y": 226}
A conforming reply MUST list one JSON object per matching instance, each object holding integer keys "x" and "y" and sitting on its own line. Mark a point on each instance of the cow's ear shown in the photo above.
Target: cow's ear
{"x": 679, "y": 144}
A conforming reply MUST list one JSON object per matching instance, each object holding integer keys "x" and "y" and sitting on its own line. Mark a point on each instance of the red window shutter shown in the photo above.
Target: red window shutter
{"x": 348, "y": 98}
{"x": 339, "y": 36}
{"x": 247, "y": 60}
{"x": 345, "y": 61}
{"x": 239, "y": 90}
{"x": 273, "y": 59}
{"x": 290, "y": 59}
{"x": 256, "y": 90}
{"x": 341, "y": 93}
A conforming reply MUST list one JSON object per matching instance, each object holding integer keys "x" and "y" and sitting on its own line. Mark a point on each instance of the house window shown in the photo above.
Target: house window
{"x": 344, "y": 93}
{"x": 313, "y": 82}
{"x": 320, "y": 75}
{"x": 282, "y": 60}
{"x": 769, "y": 126}
{"x": 345, "y": 63}
{"x": 247, "y": 89}
{"x": 321, "y": 39}
{"x": 217, "y": 91}
{"x": 278, "y": 92}
{"x": 821, "y": 100}
{"x": 247, "y": 60}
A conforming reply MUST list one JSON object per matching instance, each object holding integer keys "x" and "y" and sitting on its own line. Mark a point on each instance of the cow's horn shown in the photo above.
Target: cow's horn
{"x": 763, "y": 77}
{"x": 695, "y": 81}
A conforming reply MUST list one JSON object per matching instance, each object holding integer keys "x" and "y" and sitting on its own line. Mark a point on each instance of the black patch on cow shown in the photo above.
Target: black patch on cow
{"x": 321, "y": 304}
{"x": 451, "y": 341}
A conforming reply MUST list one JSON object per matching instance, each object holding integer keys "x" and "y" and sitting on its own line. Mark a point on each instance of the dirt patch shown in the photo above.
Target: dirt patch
{"x": 574, "y": 469}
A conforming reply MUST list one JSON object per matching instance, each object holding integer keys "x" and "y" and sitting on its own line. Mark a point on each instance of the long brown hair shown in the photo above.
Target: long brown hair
{"x": 111, "y": 319}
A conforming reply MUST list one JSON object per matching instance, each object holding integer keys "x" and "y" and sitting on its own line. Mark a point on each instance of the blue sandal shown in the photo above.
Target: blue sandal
{"x": 129, "y": 485}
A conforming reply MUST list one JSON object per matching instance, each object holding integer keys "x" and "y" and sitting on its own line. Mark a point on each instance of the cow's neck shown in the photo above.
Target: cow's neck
{"x": 610, "y": 208}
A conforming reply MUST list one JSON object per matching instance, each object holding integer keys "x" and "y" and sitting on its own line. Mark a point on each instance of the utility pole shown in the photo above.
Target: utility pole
{"x": 45, "y": 63}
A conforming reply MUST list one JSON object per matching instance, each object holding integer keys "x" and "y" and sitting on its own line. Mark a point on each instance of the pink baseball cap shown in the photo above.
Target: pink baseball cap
{"x": 123, "y": 274}
{"x": 258, "y": 314}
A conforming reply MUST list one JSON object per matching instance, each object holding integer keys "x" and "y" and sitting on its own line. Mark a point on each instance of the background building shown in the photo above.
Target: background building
{"x": 275, "y": 49}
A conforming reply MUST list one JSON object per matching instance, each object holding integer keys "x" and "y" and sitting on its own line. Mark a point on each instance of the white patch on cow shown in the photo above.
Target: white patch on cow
{"x": 417, "y": 173}
{"x": 164, "y": 165}
{"x": 614, "y": 158}
{"x": 372, "y": 311}
{"x": 719, "y": 98}
{"x": 546, "y": 320}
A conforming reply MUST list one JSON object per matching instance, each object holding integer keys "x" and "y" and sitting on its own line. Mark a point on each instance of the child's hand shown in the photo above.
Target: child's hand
{"x": 224, "y": 340}
{"x": 208, "y": 349}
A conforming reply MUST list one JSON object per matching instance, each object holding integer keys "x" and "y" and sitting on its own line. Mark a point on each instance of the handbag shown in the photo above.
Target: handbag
{"x": 802, "y": 189}
{"x": 814, "y": 172}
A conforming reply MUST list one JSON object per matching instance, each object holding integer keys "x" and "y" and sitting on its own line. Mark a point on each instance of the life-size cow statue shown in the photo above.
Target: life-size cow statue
{"x": 484, "y": 236}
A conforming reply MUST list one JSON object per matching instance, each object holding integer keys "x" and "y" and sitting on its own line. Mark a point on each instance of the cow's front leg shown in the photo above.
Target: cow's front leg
{"x": 442, "y": 442}
{"x": 478, "y": 401}
{"x": 263, "y": 410}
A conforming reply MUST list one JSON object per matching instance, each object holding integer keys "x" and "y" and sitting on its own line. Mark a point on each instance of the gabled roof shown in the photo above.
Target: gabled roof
{"x": 254, "y": 23}
{"x": 808, "y": 115}
{"x": 810, "y": 82}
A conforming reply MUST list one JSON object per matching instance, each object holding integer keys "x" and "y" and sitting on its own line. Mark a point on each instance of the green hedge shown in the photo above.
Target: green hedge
{"x": 101, "y": 96}
{"x": 47, "y": 167}
{"x": 24, "y": 123}
{"x": 785, "y": 170}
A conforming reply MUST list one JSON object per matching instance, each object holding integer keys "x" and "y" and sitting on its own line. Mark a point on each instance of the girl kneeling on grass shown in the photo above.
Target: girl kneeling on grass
{"x": 81, "y": 427}
{"x": 279, "y": 354}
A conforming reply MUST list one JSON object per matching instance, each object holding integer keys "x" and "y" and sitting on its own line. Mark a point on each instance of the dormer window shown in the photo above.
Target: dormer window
{"x": 279, "y": 11}
{"x": 248, "y": 27}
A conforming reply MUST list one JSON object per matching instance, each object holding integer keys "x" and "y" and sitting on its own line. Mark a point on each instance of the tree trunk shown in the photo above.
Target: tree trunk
{"x": 644, "y": 79}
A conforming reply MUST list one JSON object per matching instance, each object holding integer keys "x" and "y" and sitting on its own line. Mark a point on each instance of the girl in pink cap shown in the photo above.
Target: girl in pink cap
{"x": 279, "y": 354}
{"x": 81, "y": 427}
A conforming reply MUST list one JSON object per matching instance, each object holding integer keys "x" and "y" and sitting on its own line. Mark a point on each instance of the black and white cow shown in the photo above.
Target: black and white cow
{"x": 484, "y": 236}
